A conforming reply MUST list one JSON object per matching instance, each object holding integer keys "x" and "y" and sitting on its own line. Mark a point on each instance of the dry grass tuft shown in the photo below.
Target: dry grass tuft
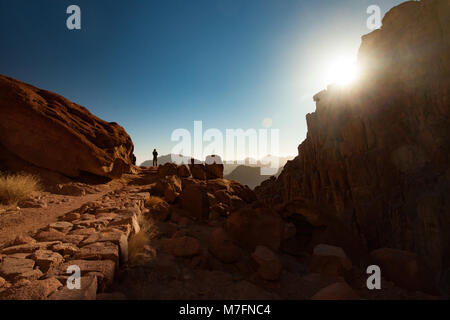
{"x": 17, "y": 187}
{"x": 153, "y": 201}
{"x": 137, "y": 242}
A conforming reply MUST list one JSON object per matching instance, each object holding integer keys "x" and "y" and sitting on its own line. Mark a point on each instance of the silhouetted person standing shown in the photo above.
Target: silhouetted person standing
{"x": 155, "y": 158}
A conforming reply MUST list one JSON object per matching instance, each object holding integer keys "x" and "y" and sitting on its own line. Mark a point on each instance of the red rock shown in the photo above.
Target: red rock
{"x": 104, "y": 267}
{"x": 198, "y": 171}
{"x": 330, "y": 260}
{"x": 337, "y": 291}
{"x": 75, "y": 141}
{"x": 269, "y": 266}
{"x": 11, "y": 268}
{"x": 181, "y": 247}
{"x": 168, "y": 169}
{"x": 194, "y": 199}
{"x": 253, "y": 227}
{"x": 99, "y": 251}
{"x": 47, "y": 259}
{"x": 222, "y": 247}
{"x": 403, "y": 268}
{"x": 34, "y": 290}
{"x": 376, "y": 154}
{"x": 88, "y": 290}
{"x": 214, "y": 167}
{"x": 183, "y": 171}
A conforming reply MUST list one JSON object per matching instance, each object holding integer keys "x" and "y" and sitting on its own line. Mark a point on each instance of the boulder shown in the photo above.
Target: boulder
{"x": 34, "y": 290}
{"x": 47, "y": 259}
{"x": 181, "y": 246}
{"x": 250, "y": 228}
{"x": 75, "y": 141}
{"x": 99, "y": 251}
{"x": 269, "y": 266}
{"x": 11, "y": 268}
{"x": 222, "y": 247}
{"x": 87, "y": 291}
{"x": 167, "y": 169}
{"x": 214, "y": 167}
{"x": 169, "y": 187}
{"x": 198, "y": 171}
{"x": 194, "y": 199}
{"x": 330, "y": 260}
{"x": 336, "y": 291}
{"x": 183, "y": 171}
{"x": 403, "y": 268}
{"x": 104, "y": 270}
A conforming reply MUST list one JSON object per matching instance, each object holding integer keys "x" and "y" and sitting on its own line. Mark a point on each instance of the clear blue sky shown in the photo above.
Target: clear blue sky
{"x": 155, "y": 66}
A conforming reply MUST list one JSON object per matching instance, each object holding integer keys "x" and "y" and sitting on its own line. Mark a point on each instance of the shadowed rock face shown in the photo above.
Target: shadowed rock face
{"x": 48, "y": 131}
{"x": 376, "y": 156}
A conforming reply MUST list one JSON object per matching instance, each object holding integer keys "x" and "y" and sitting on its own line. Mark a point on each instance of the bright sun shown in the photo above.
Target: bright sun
{"x": 343, "y": 71}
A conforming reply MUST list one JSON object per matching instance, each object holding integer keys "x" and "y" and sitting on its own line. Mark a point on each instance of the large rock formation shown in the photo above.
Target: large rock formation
{"x": 48, "y": 131}
{"x": 376, "y": 157}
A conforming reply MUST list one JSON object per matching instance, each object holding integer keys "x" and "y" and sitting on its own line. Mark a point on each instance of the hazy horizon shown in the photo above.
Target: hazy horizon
{"x": 154, "y": 66}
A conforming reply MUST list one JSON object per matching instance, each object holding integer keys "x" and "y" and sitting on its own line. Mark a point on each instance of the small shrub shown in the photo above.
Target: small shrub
{"x": 17, "y": 187}
{"x": 137, "y": 241}
{"x": 153, "y": 201}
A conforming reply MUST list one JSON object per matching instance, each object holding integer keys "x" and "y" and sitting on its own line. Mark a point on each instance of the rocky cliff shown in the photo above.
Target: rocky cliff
{"x": 44, "y": 130}
{"x": 376, "y": 157}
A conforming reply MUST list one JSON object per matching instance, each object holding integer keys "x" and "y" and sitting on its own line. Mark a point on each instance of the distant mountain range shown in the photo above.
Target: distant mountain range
{"x": 247, "y": 172}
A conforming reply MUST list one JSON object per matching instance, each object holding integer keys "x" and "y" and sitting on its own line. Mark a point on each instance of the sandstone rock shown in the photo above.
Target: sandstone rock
{"x": 11, "y": 268}
{"x": 70, "y": 189}
{"x": 269, "y": 266}
{"x": 221, "y": 246}
{"x": 168, "y": 169}
{"x": 23, "y": 239}
{"x": 99, "y": 251}
{"x": 403, "y": 268}
{"x": 183, "y": 171}
{"x": 376, "y": 155}
{"x": 330, "y": 260}
{"x": 198, "y": 171}
{"x": 161, "y": 211}
{"x": 61, "y": 226}
{"x": 28, "y": 248}
{"x": 65, "y": 249}
{"x": 214, "y": 167}
{"x": 104, "y": 267}
{"x": 2, "y": 282}
{"x": 337, "y": 291}
{"x": 47, "y": 259}
{"x": 88, "y": 291}
{"x": 194, "y": 199}
{"x": 169, "y": 187}
{"x": 253, "y": 227}
{"x": 71, "y": 216}
{"x": 181, "y": 247}
{"x": 50, "y": 235}
{"x": 131, "y": 221}
{"x": 75, "y": 141}
{"x": 116, "y": 237}
{"x": 34, "y": 290}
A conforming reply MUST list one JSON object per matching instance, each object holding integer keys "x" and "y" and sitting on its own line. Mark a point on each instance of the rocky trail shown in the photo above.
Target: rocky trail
{"x": 215, "y": 255}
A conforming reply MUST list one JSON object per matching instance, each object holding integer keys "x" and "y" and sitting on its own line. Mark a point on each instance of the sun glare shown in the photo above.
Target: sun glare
{"x": 343, "y": 71}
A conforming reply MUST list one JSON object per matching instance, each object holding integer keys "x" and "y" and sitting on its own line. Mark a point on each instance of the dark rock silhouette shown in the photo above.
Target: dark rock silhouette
{"x": 376, "y": 155}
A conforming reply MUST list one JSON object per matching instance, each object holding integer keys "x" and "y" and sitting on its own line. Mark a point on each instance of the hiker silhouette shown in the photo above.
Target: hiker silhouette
{"x": 155, "y": 158}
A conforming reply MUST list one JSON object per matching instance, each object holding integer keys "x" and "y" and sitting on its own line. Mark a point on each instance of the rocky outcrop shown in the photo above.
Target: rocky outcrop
{"x": 376, "y": 155}
{"x": 48, "y": 131}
